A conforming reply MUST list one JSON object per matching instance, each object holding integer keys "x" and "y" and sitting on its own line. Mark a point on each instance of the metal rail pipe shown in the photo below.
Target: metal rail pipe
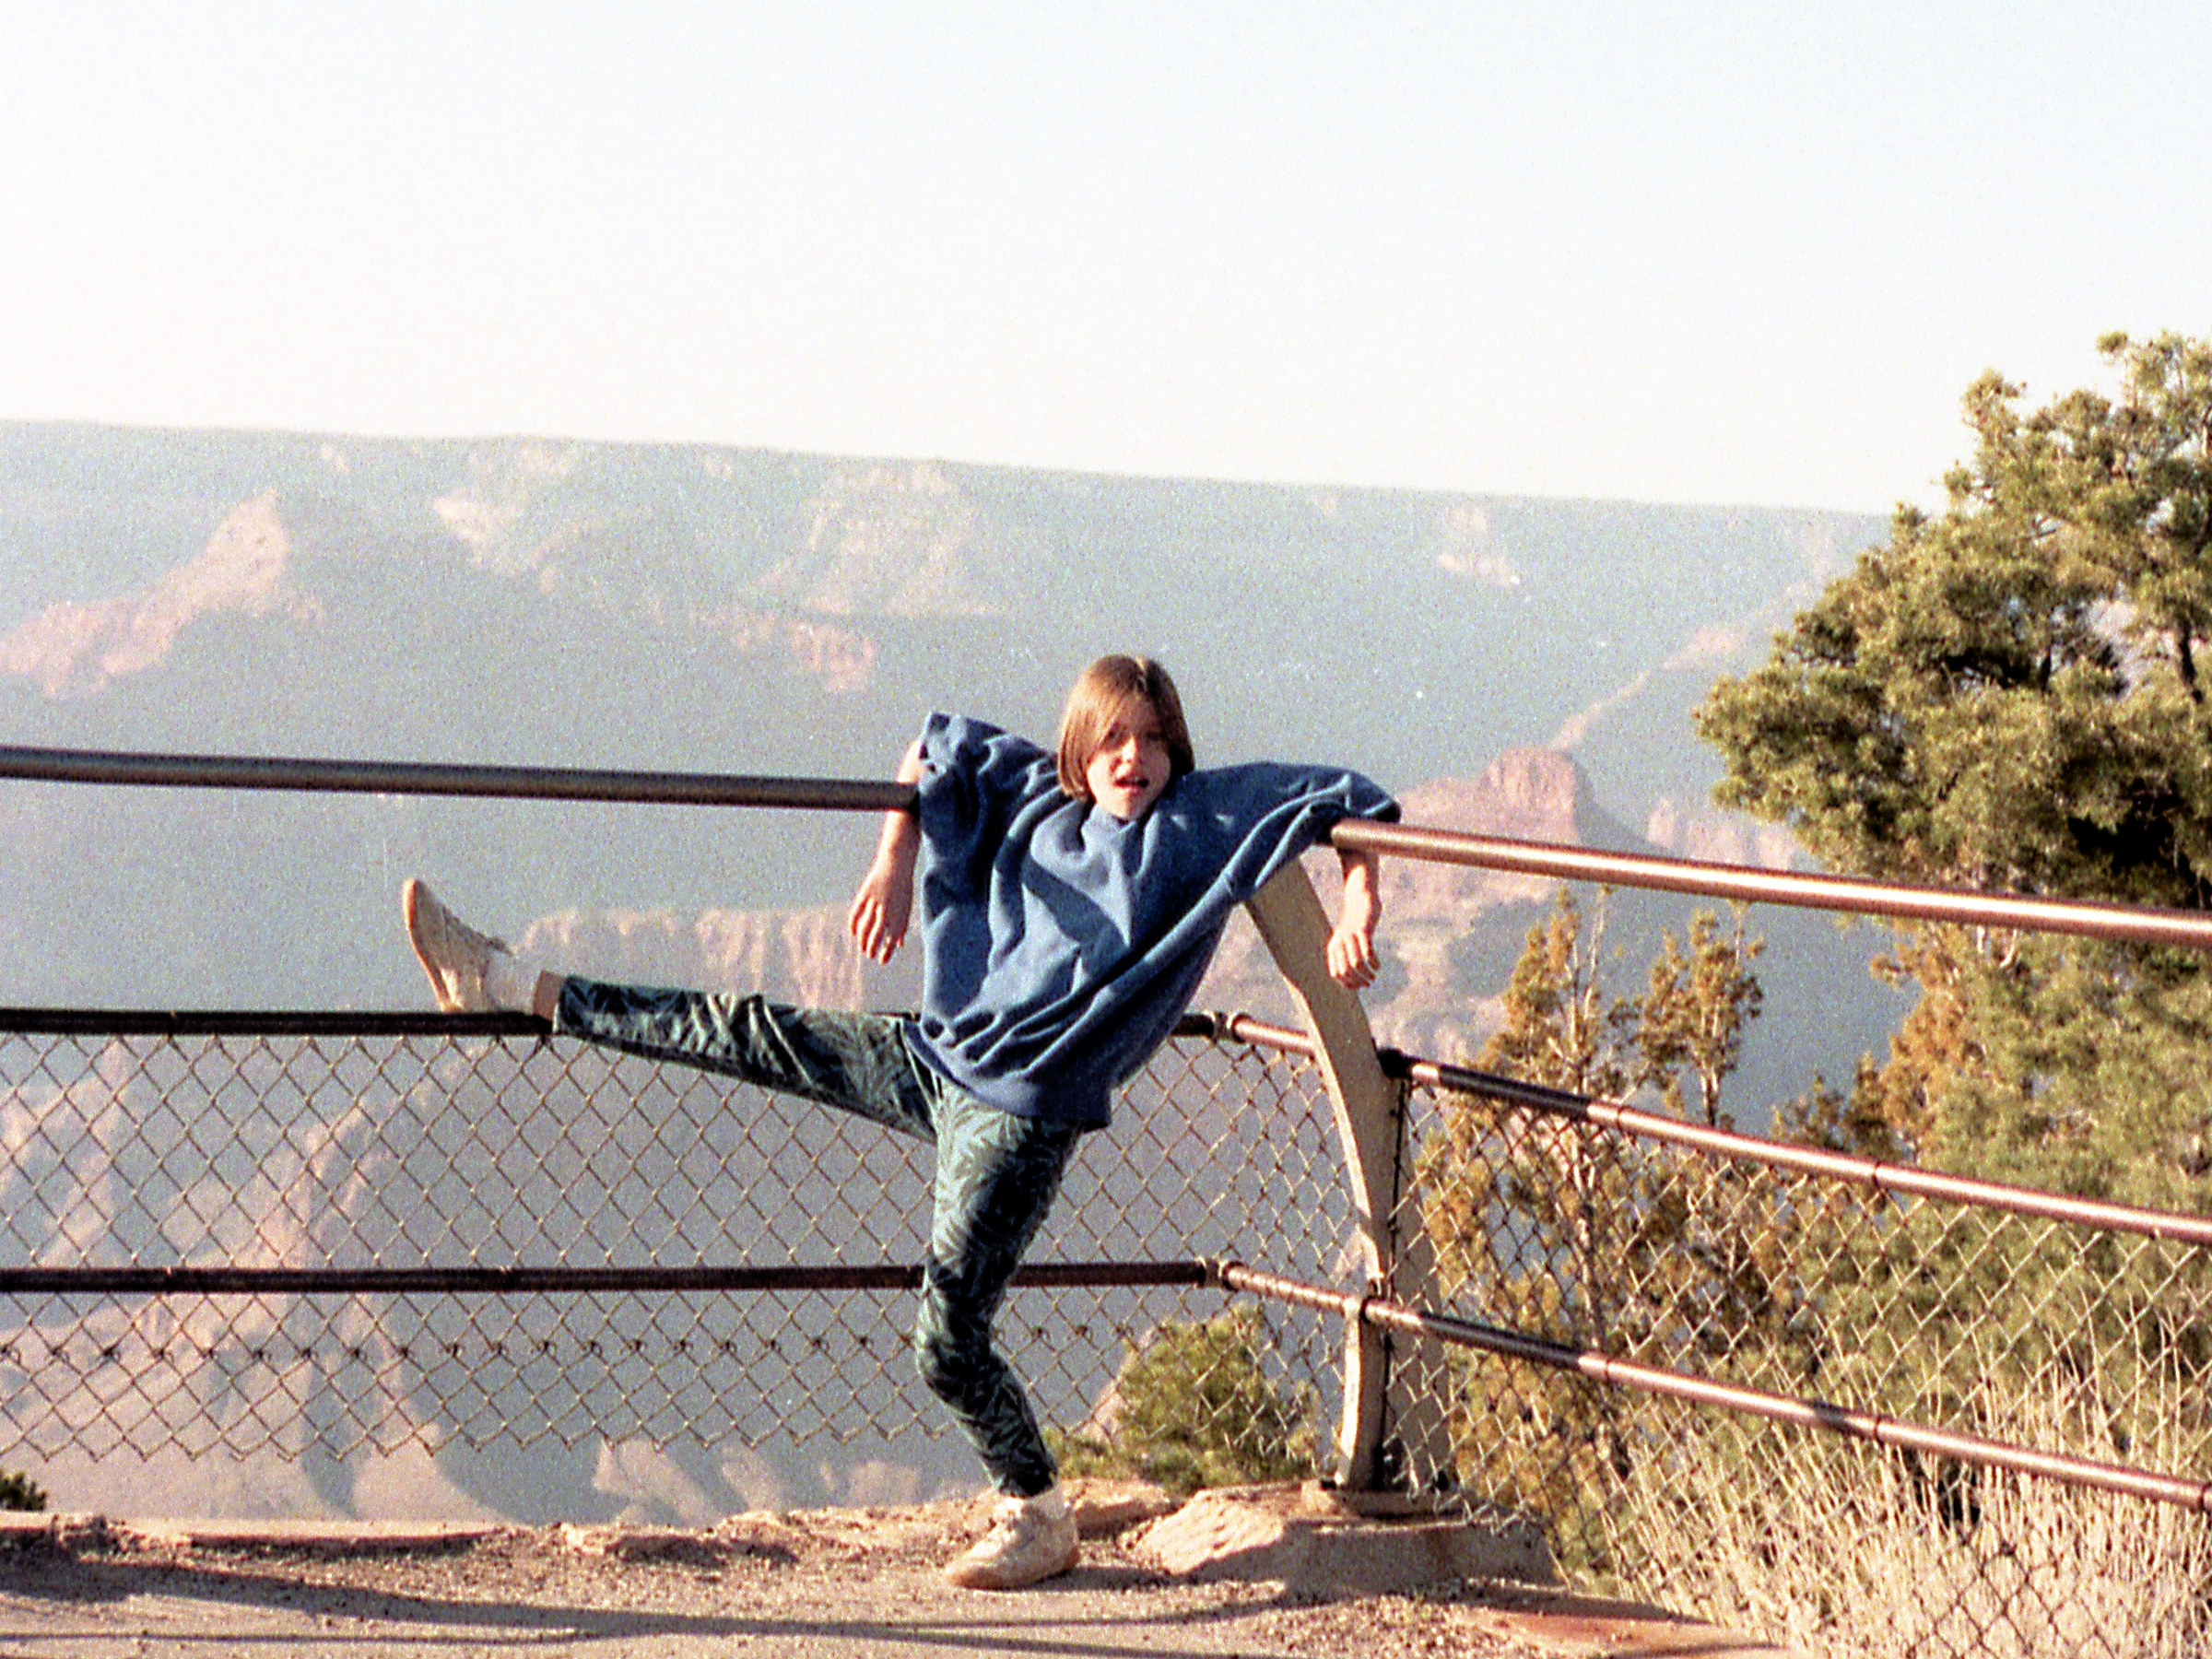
{"x": 319, "y": 1022}
{"x": 1896, "y": 1178}
{"x": 1858, "y": 895}
{"x": 524, "y": 1281}
{"x": 1811, "y": 1161}
{"x": 1876, "y": 1426}
{"x": 1262, "y": 1033}
{"x": 391, "y": 777}
{"x": 268, "y": 1022}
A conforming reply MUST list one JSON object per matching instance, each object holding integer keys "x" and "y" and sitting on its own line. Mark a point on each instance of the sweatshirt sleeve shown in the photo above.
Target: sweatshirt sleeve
{"x": 975, "y": 781}
{"x": 1234, "y": 828}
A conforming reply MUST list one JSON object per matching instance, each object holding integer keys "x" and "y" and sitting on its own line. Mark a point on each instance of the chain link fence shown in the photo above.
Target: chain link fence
{"x": 380, "y": 1144}
{"x": 342, "y": 1149}
{"x": 2056, "y": 1335}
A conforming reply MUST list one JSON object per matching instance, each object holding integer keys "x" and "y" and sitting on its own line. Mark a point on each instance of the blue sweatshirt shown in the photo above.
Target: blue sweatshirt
{"x": 1060, "y": 944}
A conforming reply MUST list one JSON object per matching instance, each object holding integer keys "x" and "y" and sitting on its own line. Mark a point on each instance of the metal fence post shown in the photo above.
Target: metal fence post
{"x": 1370, "y": 1120}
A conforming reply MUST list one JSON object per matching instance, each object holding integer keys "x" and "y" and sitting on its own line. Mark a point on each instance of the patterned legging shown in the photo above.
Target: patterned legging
{"x": 996, "y": 1173}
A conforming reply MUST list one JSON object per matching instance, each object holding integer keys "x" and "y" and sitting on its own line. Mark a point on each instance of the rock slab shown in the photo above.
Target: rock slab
{"x": 1310, "y": 1538}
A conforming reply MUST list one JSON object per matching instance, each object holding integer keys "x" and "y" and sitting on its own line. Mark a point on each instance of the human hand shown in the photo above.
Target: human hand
{"x": 1351, "y": 949}
{"x": 886, "y": 899}
{"x": 881, "y": 907}
{"x": 1351, "y": 955}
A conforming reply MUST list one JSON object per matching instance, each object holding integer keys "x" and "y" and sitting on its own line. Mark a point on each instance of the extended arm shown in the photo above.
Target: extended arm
{"x": 886, "y": 899}
{"x": 1352, "y": 947}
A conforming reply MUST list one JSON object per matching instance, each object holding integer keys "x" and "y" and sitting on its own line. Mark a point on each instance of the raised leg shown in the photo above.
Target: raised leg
{"x": 858, "y": 1063}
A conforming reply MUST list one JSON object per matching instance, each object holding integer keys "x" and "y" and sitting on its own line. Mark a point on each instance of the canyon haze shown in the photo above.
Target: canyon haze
{"x": 1516, "y": 665}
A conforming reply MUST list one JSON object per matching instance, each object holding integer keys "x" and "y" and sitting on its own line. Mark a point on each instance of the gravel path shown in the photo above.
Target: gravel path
{"x": 860, "y": 1583}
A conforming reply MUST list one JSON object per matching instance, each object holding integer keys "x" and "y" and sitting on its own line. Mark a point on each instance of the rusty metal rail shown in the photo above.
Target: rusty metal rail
{"x": 1854, "y": 895}
{"x": 322, "y": 1022}
{"x": 1876, "y": 1426}
{"x": 1903, "y": 1179}
{"x": 1857, "y": 895}
{"x": 534, "y": 1281}
{"x": 1813, "y": 1160}
{"x": 391, "y": 777}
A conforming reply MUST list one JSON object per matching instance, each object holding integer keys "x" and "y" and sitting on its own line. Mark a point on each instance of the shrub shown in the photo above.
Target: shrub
{"x": 20, "y": 1492}
{"x": 1195, "y": 1408}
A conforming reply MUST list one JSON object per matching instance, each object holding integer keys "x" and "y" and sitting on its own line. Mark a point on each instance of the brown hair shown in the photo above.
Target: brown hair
{"x": 1102, "y": 691}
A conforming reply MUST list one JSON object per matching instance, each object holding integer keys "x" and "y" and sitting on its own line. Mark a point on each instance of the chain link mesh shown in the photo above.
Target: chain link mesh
{"x": 428, "y": 1151}
{"x": 432, "y": 1150}
{"x": 2059, "y": 1336}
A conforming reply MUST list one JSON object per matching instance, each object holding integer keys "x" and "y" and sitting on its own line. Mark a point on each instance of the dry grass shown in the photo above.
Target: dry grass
{"x": 1843, "y": 1550}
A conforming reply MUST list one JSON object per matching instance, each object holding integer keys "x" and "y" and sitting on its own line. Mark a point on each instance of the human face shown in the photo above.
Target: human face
{"x": 1130, "y": 766}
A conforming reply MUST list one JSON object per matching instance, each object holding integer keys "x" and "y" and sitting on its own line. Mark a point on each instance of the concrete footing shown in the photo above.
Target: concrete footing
{"x": 1311, "y": 1537}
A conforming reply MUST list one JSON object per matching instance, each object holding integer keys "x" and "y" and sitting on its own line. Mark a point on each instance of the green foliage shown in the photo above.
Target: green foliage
{"x": 2014, "y": 694}
{"x": 1559, "y": 1027}
{"x": 1195, "y": 1408}
{"x": 20, "y": 1492}
{"x": 1694, "y": 1011}
{"x": 2011, "y": 694}
{"x": 1569, "y": 1232}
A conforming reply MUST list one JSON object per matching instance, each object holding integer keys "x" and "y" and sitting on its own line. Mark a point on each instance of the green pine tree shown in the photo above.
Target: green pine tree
{"x": 2013, "y": 694}
{"x": 1574, "y": 1233}
{"x": 1195, "y": 1407}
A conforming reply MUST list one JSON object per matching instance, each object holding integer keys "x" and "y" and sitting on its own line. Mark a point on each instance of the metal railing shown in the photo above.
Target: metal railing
{"x": 2005, "y": 1391}
{"x": 1854, "y": 895}
{"x": 416, "y": 777}
{"x": 1851, "y": 895}
{"x": 2017, "y": 1387}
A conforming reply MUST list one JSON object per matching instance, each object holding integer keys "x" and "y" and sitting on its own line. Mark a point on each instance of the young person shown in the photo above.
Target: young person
{"x": 1069, "y": 904}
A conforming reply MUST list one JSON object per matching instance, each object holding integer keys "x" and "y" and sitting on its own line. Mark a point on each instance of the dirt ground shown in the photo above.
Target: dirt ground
{"x": 844, "y": 1582}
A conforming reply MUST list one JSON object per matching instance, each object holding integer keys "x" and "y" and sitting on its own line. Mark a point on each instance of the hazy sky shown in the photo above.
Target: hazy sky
{"x": 1744, "y": 253}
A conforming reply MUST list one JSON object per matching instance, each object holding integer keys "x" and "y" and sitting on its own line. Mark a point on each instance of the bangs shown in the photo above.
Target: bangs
{"x": 1102, "y": 693}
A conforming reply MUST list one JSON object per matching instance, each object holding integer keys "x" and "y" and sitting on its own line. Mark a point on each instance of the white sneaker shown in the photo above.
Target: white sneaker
{"x": 453, "y": 954}
{"x": 1030, "y": 1538}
